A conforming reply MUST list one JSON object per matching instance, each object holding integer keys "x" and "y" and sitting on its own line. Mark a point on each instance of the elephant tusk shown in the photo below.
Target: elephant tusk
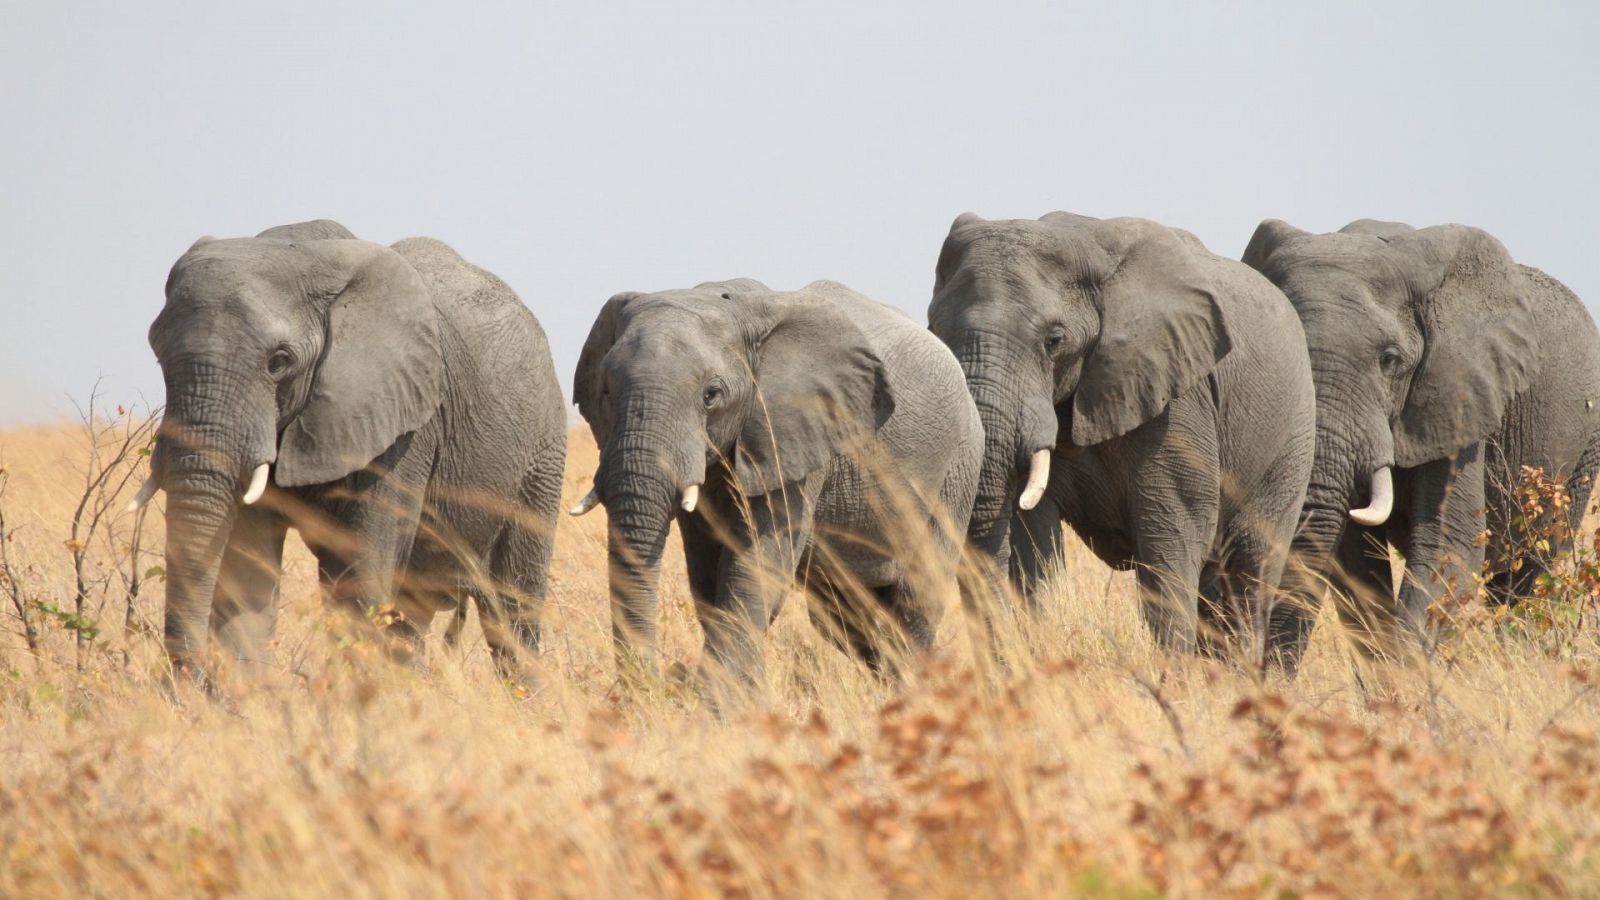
{"x": 587, "y": 502}
{"x": 1377, "y": 512}
{"x": 258, "y": 484}
{"x": 691, "y": 496}
{"x": 146, "y": 491}
{"x": 1038, "y": 477}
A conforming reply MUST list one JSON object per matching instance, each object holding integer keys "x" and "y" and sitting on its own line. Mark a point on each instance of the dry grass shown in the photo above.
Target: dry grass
{"x": 1100, "y": 769}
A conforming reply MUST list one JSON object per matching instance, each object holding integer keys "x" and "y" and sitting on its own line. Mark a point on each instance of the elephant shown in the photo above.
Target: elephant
{"x": 1442, "y": 366}
{"x": 1154, "y": 396}
{"x": 812, "y": 438}
{"x": 396, "y": 405}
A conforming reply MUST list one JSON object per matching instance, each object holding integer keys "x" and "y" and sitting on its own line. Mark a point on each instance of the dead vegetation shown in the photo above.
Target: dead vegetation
{"x": 1095, "y": 768}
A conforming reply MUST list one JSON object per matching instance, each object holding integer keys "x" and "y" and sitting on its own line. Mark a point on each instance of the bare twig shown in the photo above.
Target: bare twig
{"x": 114, "y": 450}
{"x": 8, "y": 572}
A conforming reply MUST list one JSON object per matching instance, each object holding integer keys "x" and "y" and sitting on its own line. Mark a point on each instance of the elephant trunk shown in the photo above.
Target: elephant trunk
{"x": 207, "y": 457}
{"x": 200, "y": 511}
{"x": 1337, "y": 481}
{"x": 1018, "y": 422}
{"x": 640, "y": 513}
{"x": 646, "y": 475}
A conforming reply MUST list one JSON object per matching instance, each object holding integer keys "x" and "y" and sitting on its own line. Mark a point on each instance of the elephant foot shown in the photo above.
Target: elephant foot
{"x": 186, "y": 677}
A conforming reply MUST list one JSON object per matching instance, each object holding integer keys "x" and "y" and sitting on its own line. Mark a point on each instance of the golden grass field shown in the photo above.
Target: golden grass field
{"x": 1096, "y": 768}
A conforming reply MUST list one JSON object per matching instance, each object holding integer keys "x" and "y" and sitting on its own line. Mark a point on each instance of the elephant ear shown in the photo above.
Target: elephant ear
{"x": 1479, "y": 336}
{"x": 381, "y": 373}
{"x": 586, "y": 386}
{"x": 1270, "y": 235}
{"x": 955, "y": 246}
{"x": 314, "y": 230}
{"x": 1062, "y": 217}
{"x": 820, "y": 388}
{"x": 732, "y": 286}
{"x": 1377, "y": 228}
{"x": 1161, "y": 330}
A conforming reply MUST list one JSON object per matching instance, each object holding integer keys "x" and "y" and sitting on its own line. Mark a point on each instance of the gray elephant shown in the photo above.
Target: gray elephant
{"x": 812, "y": 436}
{"x": 1154, "y": 396}
{"x": 1441, "y": 367}
{"x": 395, "y": 404}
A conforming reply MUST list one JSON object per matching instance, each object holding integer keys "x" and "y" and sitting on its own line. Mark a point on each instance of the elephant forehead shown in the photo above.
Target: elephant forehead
{"x": 230, "y": 269}
{"x": 1039, "y": 255}
{"x": 1324, "y": 271}
{"x": 218, "y": 328}
{"x": 1001, "y": 298}
{"x": 666, "y": 344}
{"x": 1352, "y": 313}
{"x": 1325, "y": 255}
{"x": 692, "y": 315}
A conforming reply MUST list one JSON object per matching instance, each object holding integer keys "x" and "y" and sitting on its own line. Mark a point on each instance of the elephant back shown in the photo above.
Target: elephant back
{"x": 452, "y": 279}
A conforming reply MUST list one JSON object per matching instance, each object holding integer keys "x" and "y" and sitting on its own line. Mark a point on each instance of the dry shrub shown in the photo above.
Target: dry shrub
{"x": 1096, "y": 767}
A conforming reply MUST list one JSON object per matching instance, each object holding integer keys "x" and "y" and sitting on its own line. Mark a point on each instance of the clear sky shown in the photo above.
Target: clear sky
{"x": 578, "y": 150}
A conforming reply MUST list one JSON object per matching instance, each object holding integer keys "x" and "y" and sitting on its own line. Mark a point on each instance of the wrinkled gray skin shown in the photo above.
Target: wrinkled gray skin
{"x": 1173, "y": 390}
{"x": 1437, "y": 354}
{"x": 814, "y": 411}
{"x": 407, "y": 403}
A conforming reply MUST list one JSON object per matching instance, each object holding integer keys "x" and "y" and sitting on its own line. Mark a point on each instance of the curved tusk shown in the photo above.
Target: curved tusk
{"x": 258, "y": 485}
{"x": 587, "y": 502}
{"x": 691, "y": 496}
{"x": 146, "y": 491}
{"x": 1377, "y": 512}
{"x": 1038, "y": 477}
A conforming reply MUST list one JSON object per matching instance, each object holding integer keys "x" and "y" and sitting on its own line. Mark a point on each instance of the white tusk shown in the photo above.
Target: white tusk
{"x": 146, "y": 491}
{"x": 691, "y": 496}
{"x": 587, "y": 502}
{"x": 1377, "y": 512}
{"x": 258, "y": 485}
{"x": 1038, "y": 477}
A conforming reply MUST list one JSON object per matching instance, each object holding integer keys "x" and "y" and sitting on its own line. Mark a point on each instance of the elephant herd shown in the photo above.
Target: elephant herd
{"x": 1244, "y": 435}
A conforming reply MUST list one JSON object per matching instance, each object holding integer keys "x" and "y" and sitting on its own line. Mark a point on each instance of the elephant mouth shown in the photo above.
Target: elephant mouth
{"x": 253, "y": 480}
{"x": 688, "y": 499}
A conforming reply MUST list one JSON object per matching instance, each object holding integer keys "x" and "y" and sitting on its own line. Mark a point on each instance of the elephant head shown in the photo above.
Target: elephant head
{"x": 727, "y": 382}
{"x": 1419, "y": 338}
{"x": 1069, "y": 328}
{"x": 301, "y": 352}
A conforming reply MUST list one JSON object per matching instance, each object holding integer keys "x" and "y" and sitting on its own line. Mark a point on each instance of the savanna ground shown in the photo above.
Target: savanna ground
{"x": 1096, "y": 767}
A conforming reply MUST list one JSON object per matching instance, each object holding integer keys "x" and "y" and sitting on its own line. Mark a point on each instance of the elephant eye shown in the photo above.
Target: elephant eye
{"x": 1390, "y": 360}
{"x": 279, "y": 362}
{"x": 1054, "y": 342}
{"x": 711, "y": 395}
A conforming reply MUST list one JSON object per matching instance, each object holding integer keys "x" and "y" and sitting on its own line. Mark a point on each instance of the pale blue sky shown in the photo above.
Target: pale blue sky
{"x": 578, "y": 150}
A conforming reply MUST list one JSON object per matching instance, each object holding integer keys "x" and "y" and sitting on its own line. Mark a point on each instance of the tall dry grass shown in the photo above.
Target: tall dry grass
{"x": 1097, "y": 767}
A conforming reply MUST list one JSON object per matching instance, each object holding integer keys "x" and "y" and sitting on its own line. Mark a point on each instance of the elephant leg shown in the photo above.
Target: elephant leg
{"x": 1174, "y": 491}
{"x": 1036, "y": 549}
{"x": 245, "y": 609}
{"x": 840, "y": 613}
{"x": 1169, "y": 573}
{"x": 519, "y": 567}
{"x": 1443, "y": 553}
{"x": 1255, "y": 552}
{"x": 1214, "y": 624}
{"x": 753, "y": 579}
{"x": 917, "y": 599}
{"x": 914, "y": 620}
{"x": 702, "y": 551}
{"x": 366, "y": 539}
